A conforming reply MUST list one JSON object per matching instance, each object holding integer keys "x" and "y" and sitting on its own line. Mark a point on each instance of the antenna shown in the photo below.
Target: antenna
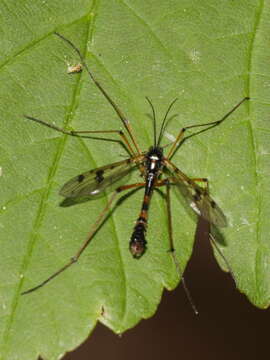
{"x": 154, "y": 120}
{"x": 164, "y": 120}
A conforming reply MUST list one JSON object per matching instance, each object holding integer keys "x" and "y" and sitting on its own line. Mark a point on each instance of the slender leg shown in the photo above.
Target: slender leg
{"x": 180, "y": 138}
{"x": 78, "y": 133}
{"x": 124, "y": 120}
{"x": 89, "y": 237}
{"x": 168, "y": 202}
{"x": 204, "y": 180}
{"x": 119, "y": 132}
{"x": 172, "y": 250}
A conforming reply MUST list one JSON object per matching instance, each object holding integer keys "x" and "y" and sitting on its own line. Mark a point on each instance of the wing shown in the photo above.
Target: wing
{"x": 93, "y": 182}
{"x": 197, "y": 197}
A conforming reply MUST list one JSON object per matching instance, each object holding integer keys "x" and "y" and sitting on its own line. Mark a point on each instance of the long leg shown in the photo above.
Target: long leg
{"x": 180, "y": 138}
{"x": 172, "y": 250}
{"x": 124, "y": 120}
{"x": 78, "y": 133}
{"x": 89, "y": 237}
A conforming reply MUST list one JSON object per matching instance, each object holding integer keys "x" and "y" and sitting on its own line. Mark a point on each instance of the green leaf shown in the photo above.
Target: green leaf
{"x": 209, "y": 55}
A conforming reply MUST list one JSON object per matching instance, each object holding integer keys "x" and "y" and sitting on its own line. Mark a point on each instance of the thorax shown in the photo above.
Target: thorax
{"x": 154, "y": 161}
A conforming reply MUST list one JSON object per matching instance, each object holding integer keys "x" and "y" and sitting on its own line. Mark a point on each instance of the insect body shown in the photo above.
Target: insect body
{"x": 154, "y": 163}
{"x": 156, "y": 169}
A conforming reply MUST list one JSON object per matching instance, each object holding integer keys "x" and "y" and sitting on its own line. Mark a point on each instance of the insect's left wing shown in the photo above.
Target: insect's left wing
{"x": 94, "y": 182}
{"x": 197, "y": 197}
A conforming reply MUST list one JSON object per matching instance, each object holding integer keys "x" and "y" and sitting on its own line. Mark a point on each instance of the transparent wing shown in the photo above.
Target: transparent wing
{"x": 197, "y": 197}
{"x": 93, "y": 182}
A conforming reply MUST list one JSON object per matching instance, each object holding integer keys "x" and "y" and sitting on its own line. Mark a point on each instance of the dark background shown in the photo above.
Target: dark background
{"x": 227, "y": 327}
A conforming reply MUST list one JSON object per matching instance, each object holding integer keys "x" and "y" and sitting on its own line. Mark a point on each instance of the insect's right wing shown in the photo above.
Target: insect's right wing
{"x": 197, "y": 197}
{"x": 94, "y": 182}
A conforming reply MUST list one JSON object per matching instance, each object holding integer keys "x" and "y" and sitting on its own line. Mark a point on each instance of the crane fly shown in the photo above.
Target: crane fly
{"x": 156, "y": 170}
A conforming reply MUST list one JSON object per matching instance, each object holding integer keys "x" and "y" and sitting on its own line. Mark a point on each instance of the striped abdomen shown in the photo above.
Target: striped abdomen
{"x": 137, "y": 244}
{"x": 153, "y": 164}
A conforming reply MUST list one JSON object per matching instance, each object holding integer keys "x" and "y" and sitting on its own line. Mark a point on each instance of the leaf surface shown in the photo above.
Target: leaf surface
{"x": 207, "y": 54}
